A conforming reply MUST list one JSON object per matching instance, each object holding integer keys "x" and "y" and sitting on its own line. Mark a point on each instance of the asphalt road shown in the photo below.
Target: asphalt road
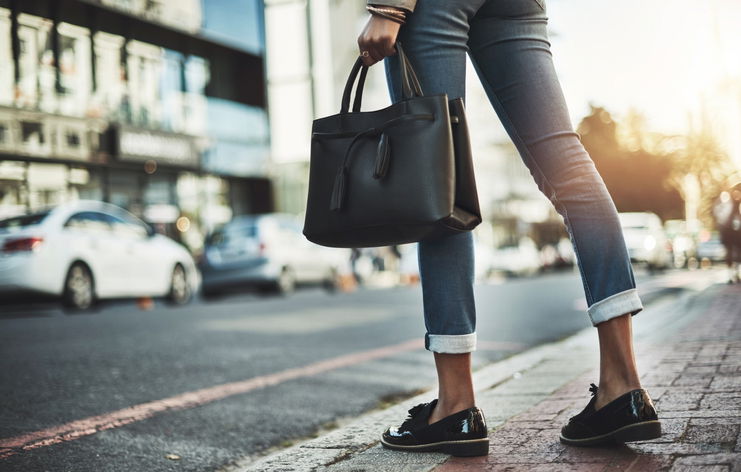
{"x": 57, "y": 368}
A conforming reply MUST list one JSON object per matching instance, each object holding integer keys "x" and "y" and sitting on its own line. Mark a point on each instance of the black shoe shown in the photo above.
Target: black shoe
{"x": 460, "y": 434}
{"x": 630, "y": 417}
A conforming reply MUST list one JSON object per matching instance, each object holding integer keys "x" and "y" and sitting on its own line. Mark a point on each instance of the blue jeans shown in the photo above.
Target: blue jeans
{"x": 508, "y": 44}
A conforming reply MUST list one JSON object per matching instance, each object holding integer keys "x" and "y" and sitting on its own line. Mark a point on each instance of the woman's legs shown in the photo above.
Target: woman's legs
{"x": 434, "y": 38}
{"x": 511, "y": 53}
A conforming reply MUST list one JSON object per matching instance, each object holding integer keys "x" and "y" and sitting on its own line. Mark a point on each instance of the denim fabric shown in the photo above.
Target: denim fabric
{"x": 508, "y": 44}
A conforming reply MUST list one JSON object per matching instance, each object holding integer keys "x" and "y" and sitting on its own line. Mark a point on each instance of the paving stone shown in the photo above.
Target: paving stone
{"x": 712, "y": 434}
{"x": 723, "y": 381}
{"x": 605, "y": 455}
{"x": 678, "y": 400}
{"x": 694, "y": 380}
{"x": 721, "y": 401}
{"x": 731, "y": 461}
{"x": 651, "y": 462}
{"x": 672, "y": 429}
{"x": 675, "y": 448}
{"x": 703, "y": 368}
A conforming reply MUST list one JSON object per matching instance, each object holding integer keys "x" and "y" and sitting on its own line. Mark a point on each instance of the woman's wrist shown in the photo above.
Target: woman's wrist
{"x": 397, "y": 15}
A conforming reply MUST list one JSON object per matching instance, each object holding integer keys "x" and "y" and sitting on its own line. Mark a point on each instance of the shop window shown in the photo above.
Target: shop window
{"x": 13, "y": 191}
{"x": 85, "y": 184}
{"x": 32, "y": 131}
{"x": 47, "y": 184}
{"x": 124, "y": 189}
{"x": 33, "y": 137}
{"x": 72, "y": 139}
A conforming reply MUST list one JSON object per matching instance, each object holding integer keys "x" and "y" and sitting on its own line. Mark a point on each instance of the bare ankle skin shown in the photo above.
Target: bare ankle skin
{"x": 618, "y": 371}
{"x": 455, "y": 385}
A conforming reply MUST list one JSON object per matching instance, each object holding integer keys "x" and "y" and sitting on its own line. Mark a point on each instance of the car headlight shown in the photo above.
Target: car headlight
{"x": 649, "y": 243}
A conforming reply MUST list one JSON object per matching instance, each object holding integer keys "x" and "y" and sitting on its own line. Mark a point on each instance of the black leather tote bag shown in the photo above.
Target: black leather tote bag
{"x": 396, "y": 175}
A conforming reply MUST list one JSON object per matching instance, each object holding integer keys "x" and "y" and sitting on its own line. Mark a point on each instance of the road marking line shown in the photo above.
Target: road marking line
{"x": 91, "y": 425}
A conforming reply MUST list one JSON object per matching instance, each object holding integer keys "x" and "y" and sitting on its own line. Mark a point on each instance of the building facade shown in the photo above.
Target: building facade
{"x": 158, "y": 106}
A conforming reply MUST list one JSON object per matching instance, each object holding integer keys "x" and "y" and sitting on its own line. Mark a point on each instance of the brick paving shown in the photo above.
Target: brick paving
{"x": 694, "y": 377}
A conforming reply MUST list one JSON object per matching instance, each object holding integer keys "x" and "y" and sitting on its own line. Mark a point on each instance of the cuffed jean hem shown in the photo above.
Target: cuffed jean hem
{"x": 450, "y": 343}
{"x": 614, "y": 306}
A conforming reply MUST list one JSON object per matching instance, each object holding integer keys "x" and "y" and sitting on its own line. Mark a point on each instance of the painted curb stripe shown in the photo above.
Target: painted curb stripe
{"x": 91, "y": 425}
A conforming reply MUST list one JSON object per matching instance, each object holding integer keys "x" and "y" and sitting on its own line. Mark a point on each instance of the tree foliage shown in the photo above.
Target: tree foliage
{"x": 638, "y": 179}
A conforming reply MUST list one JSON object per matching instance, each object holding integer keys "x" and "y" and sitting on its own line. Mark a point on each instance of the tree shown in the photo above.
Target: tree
{"x": 701, "y": 169}
{"x": 638, "y": 179}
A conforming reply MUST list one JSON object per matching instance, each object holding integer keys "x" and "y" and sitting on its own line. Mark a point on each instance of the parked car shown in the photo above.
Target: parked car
{"x": 710, "y": 249}
{"x": 87, "y": 251}
{"x": 522, "y": 259}
{"x": 645, "y": 238}
{"x": 682, "y": 243}
{"x": 266, "y": 251}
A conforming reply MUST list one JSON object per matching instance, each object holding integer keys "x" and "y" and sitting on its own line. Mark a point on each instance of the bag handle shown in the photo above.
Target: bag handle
{"x": 410, "y": 86}
{"x": 348, "y": 86}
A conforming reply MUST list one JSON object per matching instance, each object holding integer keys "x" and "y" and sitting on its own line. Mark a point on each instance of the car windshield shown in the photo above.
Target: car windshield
{"x": 19, "y": 222}
{"x": 232, "y": 233}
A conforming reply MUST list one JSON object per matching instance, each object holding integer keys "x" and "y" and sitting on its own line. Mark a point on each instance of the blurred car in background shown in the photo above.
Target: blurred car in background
{"x": 522, "y": 259}
{"x": 645, "y": 238}
{"x": 88, "y": 250}
{"x": 267, "y": 251}
{"x": 682, "y": 243}
{"x": 710, "y": 249}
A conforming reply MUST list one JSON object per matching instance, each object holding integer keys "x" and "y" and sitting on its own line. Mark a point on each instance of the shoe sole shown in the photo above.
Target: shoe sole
{"x": 633, "y": 432}
{"x": 462, "y": 448}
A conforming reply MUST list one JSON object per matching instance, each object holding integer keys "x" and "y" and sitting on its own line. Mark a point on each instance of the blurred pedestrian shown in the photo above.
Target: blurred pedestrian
{"x": 727, "y": 212}
{"x": 508, "y": 44}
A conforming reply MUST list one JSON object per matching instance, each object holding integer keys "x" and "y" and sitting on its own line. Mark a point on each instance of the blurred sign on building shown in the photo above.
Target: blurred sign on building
{"x": 92, "y": 92}
{"x": 136, "y": 144}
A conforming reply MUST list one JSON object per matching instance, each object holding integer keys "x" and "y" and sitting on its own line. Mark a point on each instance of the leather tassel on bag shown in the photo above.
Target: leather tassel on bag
{"x": 338, "y": 190}
{"x": 383, "y": 157}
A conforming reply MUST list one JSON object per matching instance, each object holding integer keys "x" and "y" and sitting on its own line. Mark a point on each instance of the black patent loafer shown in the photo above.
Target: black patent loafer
{"x": 630, "y": 417}
{"x": 461, "y": 434}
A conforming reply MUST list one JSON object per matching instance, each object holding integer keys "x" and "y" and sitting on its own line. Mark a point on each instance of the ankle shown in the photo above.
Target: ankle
{"x": 447, "y": 407}
{"x": 609, "y": 390}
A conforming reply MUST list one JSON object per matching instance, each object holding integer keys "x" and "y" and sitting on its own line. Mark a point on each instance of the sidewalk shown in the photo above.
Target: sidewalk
{"x": 689, "y": 352}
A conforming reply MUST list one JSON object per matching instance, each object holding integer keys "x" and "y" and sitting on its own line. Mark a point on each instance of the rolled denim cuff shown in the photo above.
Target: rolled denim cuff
{"x": 614, "y": 306}
{"x": 450, "y": 343}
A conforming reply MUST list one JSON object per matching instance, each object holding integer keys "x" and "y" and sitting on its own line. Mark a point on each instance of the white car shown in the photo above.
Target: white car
{"x": 645, "y": 238}
{"x": 86, "y": 251}
{"x": 520, "y": 260}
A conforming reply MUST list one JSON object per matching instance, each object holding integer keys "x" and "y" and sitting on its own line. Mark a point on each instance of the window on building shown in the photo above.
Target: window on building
{"x": 7, "y": 71}
{"x": 35, "y": 63}
{"x": 74, "y": 69}
{"x": 109, "y": 77}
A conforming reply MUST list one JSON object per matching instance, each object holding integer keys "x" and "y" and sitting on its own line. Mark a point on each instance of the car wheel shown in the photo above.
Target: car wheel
{"x": 286, "y": 282}
{"x": 79, "y": 288}
{"x": 179, "y": 289}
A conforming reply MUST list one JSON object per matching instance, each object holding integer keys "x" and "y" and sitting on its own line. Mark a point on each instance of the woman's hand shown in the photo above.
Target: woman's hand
{"x": 378, "y": 38}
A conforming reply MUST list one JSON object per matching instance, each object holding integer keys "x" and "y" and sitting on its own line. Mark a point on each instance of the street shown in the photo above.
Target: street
{"x": 319, "y": 359}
